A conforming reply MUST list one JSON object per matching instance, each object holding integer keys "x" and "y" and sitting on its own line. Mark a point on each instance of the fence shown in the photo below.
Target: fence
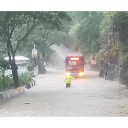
{"x": 35, "y": 70}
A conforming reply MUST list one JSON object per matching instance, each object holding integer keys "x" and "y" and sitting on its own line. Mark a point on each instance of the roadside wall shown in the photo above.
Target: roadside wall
{"x": 9, "y": 94}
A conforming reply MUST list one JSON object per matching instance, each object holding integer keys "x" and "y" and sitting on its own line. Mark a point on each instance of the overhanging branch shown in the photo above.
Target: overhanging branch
{"x": 25, "y": 36}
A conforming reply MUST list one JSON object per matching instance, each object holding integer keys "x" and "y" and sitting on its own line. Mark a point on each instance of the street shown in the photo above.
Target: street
{"x": 87, "y": 97}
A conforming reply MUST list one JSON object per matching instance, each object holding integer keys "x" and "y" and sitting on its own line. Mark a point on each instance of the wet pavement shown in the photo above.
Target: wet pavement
{"x": 88, "y": 97}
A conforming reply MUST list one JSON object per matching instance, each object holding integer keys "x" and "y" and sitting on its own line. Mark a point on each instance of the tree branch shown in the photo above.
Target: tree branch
{"x": 11, "y": 32}
{"x": 28, "y": 23}
{"x": 50, "y": 45}
{"x": 4, "y": 30}
{"x": 25, "y": 36}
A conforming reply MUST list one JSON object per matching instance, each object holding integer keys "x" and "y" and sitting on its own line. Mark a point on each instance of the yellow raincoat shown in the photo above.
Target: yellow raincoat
{"x": 68, "y": 78}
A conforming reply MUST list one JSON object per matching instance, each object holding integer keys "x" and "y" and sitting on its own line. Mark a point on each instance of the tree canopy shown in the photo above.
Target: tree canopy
{"x": 15, "y": 27}
{"x": 90, "y": 32}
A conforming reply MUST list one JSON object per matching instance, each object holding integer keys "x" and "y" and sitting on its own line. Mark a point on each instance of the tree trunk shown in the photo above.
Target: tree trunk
{"x": 13, "y": 66}
{"x": 15, "y": 74}
{"x": 42, "y": 69}
{"x": 41, "y": 66}
{"x": 113, "y": 35}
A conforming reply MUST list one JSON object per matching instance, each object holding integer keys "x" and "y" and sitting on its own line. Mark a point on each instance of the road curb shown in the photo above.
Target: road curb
{"x": 9, "y": 94}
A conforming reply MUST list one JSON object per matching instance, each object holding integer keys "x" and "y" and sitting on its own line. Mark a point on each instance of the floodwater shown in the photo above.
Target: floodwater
{"x": 88, "y": 97}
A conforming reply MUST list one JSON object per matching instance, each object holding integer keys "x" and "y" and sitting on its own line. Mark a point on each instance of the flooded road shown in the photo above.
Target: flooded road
{"x": 88, "y": 97}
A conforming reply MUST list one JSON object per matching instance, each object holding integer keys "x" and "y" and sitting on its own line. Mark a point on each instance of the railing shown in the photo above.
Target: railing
{"x": 35, "y": 70}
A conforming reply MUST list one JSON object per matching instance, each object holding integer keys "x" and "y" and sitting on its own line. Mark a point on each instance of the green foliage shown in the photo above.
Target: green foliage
{"x": 99, "y": 57}
{"x": 88, "y": 33}
{"x": 4, "y": 65}
{"x": 9, "y": 83}
{"x": 125, "y": 58}
{"x": 6, "y": 82}
{"x": 25, "y": 78}
{"x": 43, "y": 39}
{"x": 53, "y": 30}
{"x": 113, "y": 29}
{"x": 16, "y": 26}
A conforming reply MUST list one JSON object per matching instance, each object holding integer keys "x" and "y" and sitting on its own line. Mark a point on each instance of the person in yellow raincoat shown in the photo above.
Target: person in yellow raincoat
{"x": 68, "y": 79}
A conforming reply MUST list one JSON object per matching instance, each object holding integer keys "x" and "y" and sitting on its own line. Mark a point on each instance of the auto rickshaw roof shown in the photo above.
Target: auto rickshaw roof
{"x": 73, "y": 55}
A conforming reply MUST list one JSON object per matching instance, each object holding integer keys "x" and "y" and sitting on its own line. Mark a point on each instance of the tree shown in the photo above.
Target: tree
{"x": 43, "y": 38}
{"x": 88, "y": 32}
{"x": 15, "y": 27}
{"x": 4, "y": 65}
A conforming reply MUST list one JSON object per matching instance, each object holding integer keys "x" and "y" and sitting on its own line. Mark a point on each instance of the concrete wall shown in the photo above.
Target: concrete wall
{"x": 9, "y": 94}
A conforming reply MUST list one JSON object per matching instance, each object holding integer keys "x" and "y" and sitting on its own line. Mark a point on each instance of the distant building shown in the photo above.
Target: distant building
{"x": 19, "y": 60}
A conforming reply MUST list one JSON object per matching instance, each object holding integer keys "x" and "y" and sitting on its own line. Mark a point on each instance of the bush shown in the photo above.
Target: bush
{"x": 7, "y": 82}
{"x": 25, "y": 78}
{"x": 99, "y": 57}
